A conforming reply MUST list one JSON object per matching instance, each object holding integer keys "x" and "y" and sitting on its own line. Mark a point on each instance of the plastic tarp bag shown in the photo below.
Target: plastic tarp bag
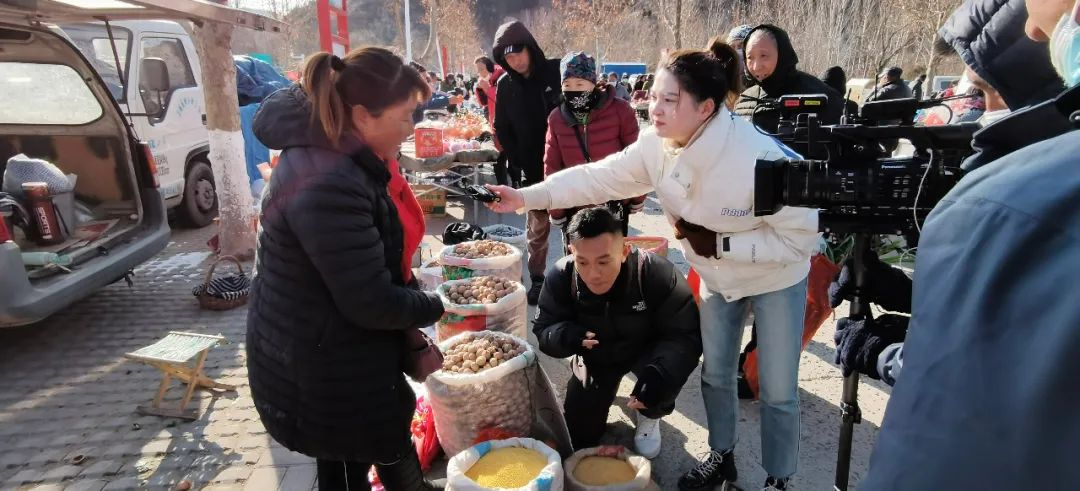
{"x": 549, "y": 479}
{"x": 424, "y": 435}
{"x": 818, "y": 309}
{"x": 456, "y": 268}
{"x": 256, "y": 79}
{"x": 514, "y": 399}
{"x": 430, "y": 275}
{"x": 642, "y": 470}
{"x": 509, "y": 314}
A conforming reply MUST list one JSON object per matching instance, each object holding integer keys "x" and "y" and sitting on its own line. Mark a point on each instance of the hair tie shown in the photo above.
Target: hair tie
{"x": 336, "y": 63}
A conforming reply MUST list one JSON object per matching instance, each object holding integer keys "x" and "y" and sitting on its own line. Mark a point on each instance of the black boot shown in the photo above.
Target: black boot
{"x": 405, "y": 475}
{"x": 716, "y": 469}
{"x": 533, "y": 296}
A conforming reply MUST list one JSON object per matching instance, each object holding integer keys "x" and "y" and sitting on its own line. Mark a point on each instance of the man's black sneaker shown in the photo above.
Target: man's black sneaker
{"x": 775, "y": 484}
{"x": 534, "y": 290}
{"x": 715, "y": 469}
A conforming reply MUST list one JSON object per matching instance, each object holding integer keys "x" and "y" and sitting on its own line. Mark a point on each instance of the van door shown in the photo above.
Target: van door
{"x": 173, "y": 127}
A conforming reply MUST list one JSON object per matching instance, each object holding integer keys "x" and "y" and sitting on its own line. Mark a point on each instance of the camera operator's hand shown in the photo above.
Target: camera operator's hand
{"x": 510, "y": 199}
{"x": 702, "y": 240}
{"x": 887, "y": 286}
{"x": 859, "y": 342}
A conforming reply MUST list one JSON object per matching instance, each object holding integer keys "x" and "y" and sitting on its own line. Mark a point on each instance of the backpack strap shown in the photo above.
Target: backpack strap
{"x": 581, "y": 142}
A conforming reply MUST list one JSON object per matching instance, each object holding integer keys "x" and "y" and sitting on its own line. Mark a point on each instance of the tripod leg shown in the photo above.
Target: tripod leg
{"x": 849, "y": 401}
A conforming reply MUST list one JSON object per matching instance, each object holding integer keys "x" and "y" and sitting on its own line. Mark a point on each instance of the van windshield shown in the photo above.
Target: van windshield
{"x": 68, "y": 101}
{"x": 93, "y": 41}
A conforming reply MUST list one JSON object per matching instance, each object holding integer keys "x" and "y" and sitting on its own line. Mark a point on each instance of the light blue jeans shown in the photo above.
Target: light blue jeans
{"x": 779, "y": 319}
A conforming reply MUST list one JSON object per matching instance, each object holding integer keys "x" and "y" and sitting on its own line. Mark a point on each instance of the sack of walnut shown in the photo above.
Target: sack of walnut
{"x": 485, "y": 303}
{"x": 474, "y": 401}
{"x": 481, "y": 258}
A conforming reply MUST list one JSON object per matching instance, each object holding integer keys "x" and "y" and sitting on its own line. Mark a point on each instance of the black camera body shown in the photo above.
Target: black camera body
{"x": 848, "y": 171}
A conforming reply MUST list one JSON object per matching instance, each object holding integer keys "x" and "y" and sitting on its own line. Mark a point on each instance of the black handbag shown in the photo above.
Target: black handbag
{"x": 422, "y": 356}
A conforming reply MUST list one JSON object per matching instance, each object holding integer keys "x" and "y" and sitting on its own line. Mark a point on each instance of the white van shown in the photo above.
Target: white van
{"x": 158, "y": 89}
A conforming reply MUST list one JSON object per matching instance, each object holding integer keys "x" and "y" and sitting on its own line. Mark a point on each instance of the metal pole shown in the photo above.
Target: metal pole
{"x": 408, "y": 33}
{"x": 850, "y": 412}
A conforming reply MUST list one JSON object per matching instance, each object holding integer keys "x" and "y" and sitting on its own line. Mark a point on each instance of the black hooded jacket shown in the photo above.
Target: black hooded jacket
{"x": 329, "y": 307}
{"x": 523, "y": 104}
{"x": 786, "y": 79}
{"x": 989, "y": 36}
{"x": 647, "y": 320}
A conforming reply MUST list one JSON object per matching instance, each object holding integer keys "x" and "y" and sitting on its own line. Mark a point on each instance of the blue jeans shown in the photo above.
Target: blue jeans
{"x": 779, "y": 318}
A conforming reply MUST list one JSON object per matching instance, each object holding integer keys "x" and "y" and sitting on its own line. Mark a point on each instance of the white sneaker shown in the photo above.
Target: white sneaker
{"x": 647, "y": 437}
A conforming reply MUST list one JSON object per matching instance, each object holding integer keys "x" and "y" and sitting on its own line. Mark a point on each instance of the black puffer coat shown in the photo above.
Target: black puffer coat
{"x": 989, "y": 36}
{"x": 328, "y": 306}
{"x": 647, "y": 319}
{"x": 786, "y": 79}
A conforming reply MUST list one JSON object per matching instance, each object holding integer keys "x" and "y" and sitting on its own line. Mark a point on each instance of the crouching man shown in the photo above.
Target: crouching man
{"x": 617, "y": 311}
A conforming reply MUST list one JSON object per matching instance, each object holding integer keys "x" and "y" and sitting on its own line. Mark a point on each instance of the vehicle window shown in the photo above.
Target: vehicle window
{"x": 171, "y": 50}
{"x": 68, "y": 101}
{"x": 93, "y": 41}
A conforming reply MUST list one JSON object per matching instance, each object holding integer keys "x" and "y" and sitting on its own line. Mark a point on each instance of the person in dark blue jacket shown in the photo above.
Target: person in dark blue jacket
{"x": 987, "y": 396}
{"x": 983, "y": 32}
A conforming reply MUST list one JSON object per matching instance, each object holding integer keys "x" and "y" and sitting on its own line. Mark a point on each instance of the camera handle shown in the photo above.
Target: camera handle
{"x": 850, "y": 413}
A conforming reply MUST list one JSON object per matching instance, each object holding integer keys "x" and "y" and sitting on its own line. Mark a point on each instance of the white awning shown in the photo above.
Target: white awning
{"x": 66, "y": 11}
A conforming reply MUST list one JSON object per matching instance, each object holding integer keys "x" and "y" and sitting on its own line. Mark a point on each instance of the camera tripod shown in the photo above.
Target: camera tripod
{"x": 850, "y": 413}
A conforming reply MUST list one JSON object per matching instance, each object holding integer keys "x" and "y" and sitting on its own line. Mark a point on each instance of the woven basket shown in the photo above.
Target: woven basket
{"x": 210, "y": 302}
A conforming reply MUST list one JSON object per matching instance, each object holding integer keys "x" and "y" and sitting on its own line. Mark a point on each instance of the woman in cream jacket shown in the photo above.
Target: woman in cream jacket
{"x": 699, "y": 159}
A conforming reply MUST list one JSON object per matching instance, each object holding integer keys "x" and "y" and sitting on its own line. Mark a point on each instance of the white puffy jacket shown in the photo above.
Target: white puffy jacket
{"x": 710, "y": 183}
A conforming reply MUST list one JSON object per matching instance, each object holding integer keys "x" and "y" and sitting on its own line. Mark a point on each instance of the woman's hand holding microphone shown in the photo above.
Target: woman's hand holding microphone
{"x": 510, "y": 199}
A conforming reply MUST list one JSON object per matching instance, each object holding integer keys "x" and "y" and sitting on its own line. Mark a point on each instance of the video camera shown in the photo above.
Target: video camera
{"x": 848, "y": 171}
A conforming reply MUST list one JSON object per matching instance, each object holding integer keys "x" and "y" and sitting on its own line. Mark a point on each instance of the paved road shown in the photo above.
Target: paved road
{"x": 66, "y": 391}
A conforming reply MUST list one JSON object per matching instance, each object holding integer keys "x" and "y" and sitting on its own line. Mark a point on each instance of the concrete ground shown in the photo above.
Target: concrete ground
{"x": 68, "y": 397}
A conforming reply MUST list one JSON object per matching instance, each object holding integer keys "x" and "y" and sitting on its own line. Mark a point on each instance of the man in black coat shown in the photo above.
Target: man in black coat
{"x": 524, "y": 97}
{"x": 617, "y": 311}
{"x": 772, "y": 62}
{"x": 890, "y": 86}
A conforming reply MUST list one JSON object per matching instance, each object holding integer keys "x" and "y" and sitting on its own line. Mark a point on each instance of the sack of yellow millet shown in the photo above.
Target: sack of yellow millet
{"x": 515, "y": 464}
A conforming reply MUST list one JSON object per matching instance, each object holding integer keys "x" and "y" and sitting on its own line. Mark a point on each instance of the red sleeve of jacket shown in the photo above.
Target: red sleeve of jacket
{"x": 628, "y": 125}
{"x": 553, "y": 159}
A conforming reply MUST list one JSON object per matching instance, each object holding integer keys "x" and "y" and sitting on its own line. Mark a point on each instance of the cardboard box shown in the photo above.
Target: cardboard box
{"x": 432, "y": 199}
{"x": 429, "y": 142}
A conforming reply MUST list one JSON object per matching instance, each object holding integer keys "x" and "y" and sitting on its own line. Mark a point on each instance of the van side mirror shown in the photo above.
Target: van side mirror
{"x": 154, "y": 75}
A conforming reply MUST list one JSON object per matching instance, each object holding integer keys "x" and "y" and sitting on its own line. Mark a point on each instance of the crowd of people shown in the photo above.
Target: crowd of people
{"x": 982, "y": 367}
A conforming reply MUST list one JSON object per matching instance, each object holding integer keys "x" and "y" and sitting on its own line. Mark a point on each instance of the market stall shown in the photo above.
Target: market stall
{"x": 447, "y": 153}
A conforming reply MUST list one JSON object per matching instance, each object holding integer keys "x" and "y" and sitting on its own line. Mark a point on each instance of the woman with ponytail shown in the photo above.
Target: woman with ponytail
{"x": 699, "y": 159}
{"x": 334, "y": 308}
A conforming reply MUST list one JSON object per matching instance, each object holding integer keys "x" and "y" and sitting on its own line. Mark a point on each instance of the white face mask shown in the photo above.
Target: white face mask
{"x": 989, "y": 117}
{"x": 1065, "y": 47}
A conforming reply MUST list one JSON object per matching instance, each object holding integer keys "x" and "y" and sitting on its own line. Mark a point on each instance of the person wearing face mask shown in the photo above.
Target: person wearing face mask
{"x": 699, "y": 158}
{"x": 983, "y": 32}
{"x": 771, "y": 60}
{"x": 987, "y": 396}
{"x": 335, "y": 310}
{"x": 1012, "y": 70}
{"x": 619, "y": 310}
{"x": 589, "y": 125}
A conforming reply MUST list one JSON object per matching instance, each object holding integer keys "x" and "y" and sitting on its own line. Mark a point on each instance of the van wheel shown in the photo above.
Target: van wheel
{"x": 200, "y": 204}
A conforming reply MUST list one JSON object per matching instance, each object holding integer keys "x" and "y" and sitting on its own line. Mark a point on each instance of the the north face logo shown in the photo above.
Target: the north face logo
{"x": 640, "y": 307}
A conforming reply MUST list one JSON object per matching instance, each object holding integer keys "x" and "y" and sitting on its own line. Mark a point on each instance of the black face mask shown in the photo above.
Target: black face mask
{"x": 580, "y": 100}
